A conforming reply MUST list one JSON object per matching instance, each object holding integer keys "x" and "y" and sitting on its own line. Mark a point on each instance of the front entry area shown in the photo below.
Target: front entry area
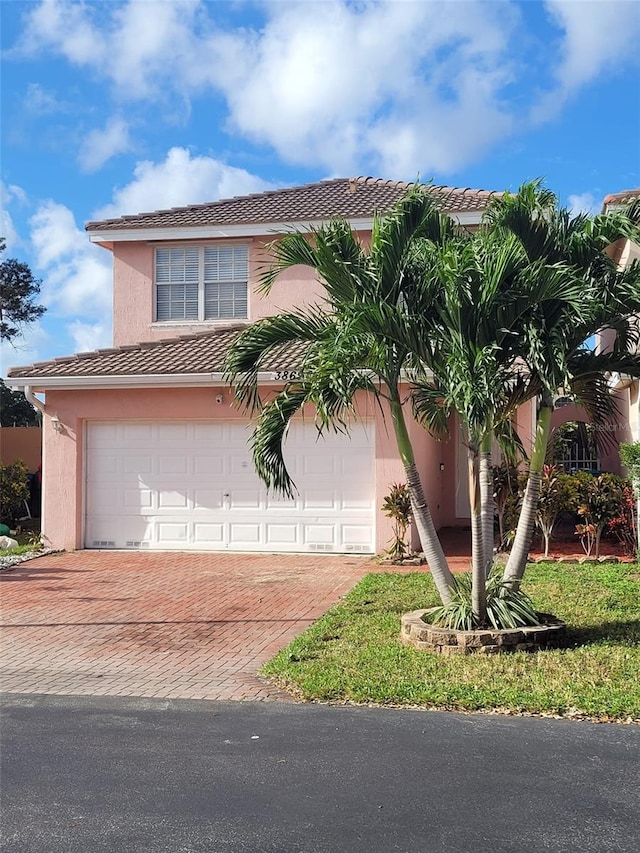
{"x": 191, "y": 485}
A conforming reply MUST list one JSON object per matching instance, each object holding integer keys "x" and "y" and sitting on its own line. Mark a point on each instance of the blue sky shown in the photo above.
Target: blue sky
{"x": 118, "y": 107}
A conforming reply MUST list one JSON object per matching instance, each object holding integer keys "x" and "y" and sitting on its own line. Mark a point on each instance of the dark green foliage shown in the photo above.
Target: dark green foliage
{"x": 603, "y": 500}
{"x": 630, "y": 455}
{"x": 18, "y": 289}
{"x": 506, "y": 607}
{"x": 14, "y": 491}
{"x": 15, "y": 410}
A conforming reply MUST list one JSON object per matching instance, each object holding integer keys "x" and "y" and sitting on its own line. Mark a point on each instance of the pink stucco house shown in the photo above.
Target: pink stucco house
{"x": 627, "y": 390}
{"x": 142, "y": 446}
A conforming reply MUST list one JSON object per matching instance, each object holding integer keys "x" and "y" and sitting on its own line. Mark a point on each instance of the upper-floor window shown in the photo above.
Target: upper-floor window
{"x": 201, "y": 283}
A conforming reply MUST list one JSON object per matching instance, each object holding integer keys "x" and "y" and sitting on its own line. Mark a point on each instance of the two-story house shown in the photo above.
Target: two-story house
{"x": 627, "y": 389}
{"x": 142, "y": 445}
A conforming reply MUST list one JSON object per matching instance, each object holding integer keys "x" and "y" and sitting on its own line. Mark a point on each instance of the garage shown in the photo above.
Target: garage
{"x": 190, "y": 485}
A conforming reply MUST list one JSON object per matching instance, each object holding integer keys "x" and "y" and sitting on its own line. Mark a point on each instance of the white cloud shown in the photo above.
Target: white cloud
{"x": 388, "y": 83}
{"x": 395, "y": 87}
{"x": 596, "y": 37}
{"x": 134, "y": 44}
{"x": 583, "y": 203}
{"x": 89, "y": 336}
{"x": 76, "y": 275}
{"x": 68, "y": 28}
{"x": 9, "y": 194}
{"x": 101, "y": 145}
{"x": 40, "y": 101}
{"x": 320, "y": 82}
{"x": 179, "y": 179}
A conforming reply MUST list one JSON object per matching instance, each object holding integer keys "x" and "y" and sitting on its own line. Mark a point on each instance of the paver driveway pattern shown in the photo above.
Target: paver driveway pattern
{"x": 194, "y": 626}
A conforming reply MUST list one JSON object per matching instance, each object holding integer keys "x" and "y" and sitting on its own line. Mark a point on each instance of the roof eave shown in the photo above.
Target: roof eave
{"x": 255, "y": 229}
{"x": 155, "y": 380}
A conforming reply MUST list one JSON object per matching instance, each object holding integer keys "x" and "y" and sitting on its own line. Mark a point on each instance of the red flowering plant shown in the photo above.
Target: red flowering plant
{"x": 603, "y": 501}
{"x": 624, "y": 525}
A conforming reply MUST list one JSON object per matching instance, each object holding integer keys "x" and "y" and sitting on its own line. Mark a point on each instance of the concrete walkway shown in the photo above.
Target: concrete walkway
{"x": 193, "y": 626}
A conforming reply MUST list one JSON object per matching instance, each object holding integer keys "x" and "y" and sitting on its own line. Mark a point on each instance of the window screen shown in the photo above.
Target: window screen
{"x": 208, "y": 283}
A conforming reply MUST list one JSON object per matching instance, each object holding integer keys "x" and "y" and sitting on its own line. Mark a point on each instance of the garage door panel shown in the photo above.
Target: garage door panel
{"x": 206, "y": 535}
{"x": 241, "y": 533}
{"x": 137, "y": 464}
{"x": 282, "y": 534}
{"x": 138, "y": 499}
{"x": 192, "y": 485}
{"x": 100, "y": 498}
{"x": 242, "y": 499}
{"x": 210, "y": 432}
{"x": 138, "y": 433}
{"x": 276, "y": 501}
{"x": 319, "y": 500}
{"x": 212, "y": 466}
{"x": 319, "y": 534}
{"x": 355, "y": 534}
{"x": 318, "y": 465}
{"x": 173, "y": 500}
{"x": 172, "y": 532}
{"x": 207, "y": 499}
{"x": 100, "y": 465}
{"x": 172, "y": 433}
{"x": 357, "y": 501}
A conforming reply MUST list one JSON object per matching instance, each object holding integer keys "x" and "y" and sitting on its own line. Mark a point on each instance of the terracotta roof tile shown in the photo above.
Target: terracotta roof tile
{"x": 349, "y": 197}
{"x": 203, "y": 352}
{"x": 624, "y": 197}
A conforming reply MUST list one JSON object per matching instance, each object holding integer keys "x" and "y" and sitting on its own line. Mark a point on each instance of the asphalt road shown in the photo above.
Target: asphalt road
{"x": 87, "y": 775}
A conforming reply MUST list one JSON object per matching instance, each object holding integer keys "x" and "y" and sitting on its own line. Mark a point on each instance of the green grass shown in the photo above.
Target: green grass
{"x": 353, "y": 653}
{"x": 27, "y": 542}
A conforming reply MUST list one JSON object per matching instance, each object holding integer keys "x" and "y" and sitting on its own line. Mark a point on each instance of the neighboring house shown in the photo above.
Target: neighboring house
{"x": 627, "y": 389}
{"x": 583, "y": 454}
{"x": 142, "y": 446}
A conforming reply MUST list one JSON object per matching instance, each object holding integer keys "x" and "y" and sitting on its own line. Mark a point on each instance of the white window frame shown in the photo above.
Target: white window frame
{"x": 200, "y": 319}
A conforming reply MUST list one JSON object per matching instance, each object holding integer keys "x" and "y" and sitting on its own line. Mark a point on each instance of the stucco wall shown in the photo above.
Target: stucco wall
{"x": 64, "y": 451}
{"x": 21, "y": 443}
{"x": 616, "y": 431}
{"x": 133, "y": 295}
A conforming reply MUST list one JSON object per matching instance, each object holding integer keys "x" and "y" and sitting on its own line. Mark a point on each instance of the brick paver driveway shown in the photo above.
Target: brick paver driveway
{"x": 156, "y": 624}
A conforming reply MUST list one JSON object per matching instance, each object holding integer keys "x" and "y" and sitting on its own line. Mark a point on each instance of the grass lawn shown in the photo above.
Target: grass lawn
{"x": 353, "y": 653}
{"x": 27, "y": 542}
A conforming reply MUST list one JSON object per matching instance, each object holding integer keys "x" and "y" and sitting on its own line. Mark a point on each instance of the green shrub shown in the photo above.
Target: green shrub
{"x": 506, "y": 607}
{"x": 14, "y": 491}
{"x": 604, "y": 499}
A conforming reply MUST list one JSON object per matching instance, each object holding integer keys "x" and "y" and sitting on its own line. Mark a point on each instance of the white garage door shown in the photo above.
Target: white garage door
{"x": 191, "y": 485}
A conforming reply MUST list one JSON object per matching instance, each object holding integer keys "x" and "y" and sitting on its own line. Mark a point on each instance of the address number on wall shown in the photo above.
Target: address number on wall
{"x": 286, "y": 375}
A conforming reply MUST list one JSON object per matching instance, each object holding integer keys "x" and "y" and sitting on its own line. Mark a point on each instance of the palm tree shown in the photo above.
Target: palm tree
{"x": 555, "y": 352}
{"x": 488, "y": 295}
{"x": 348, "y": 343}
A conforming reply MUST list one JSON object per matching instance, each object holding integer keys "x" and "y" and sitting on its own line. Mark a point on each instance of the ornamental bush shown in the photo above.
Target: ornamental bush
{"x": 14, "y": 491}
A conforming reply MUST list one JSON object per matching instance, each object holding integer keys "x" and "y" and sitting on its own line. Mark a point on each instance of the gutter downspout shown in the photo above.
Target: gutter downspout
{"x": 35, "y": 402}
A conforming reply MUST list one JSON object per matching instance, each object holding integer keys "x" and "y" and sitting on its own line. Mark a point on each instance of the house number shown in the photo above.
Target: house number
{"x": 286, "y": 375}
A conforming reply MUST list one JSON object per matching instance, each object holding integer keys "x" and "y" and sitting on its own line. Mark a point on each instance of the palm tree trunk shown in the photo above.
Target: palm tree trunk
{"x": 517, "y": 562}
{"x": 478, "y": 552}
{"x": 486, "y": 500}
{"x": 429, "y": 540}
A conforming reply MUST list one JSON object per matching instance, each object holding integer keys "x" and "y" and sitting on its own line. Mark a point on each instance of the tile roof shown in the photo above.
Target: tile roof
{"x": 203, "y": 352}
{"x": 348, "y": 197}
{"x": 624, "y": 197}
